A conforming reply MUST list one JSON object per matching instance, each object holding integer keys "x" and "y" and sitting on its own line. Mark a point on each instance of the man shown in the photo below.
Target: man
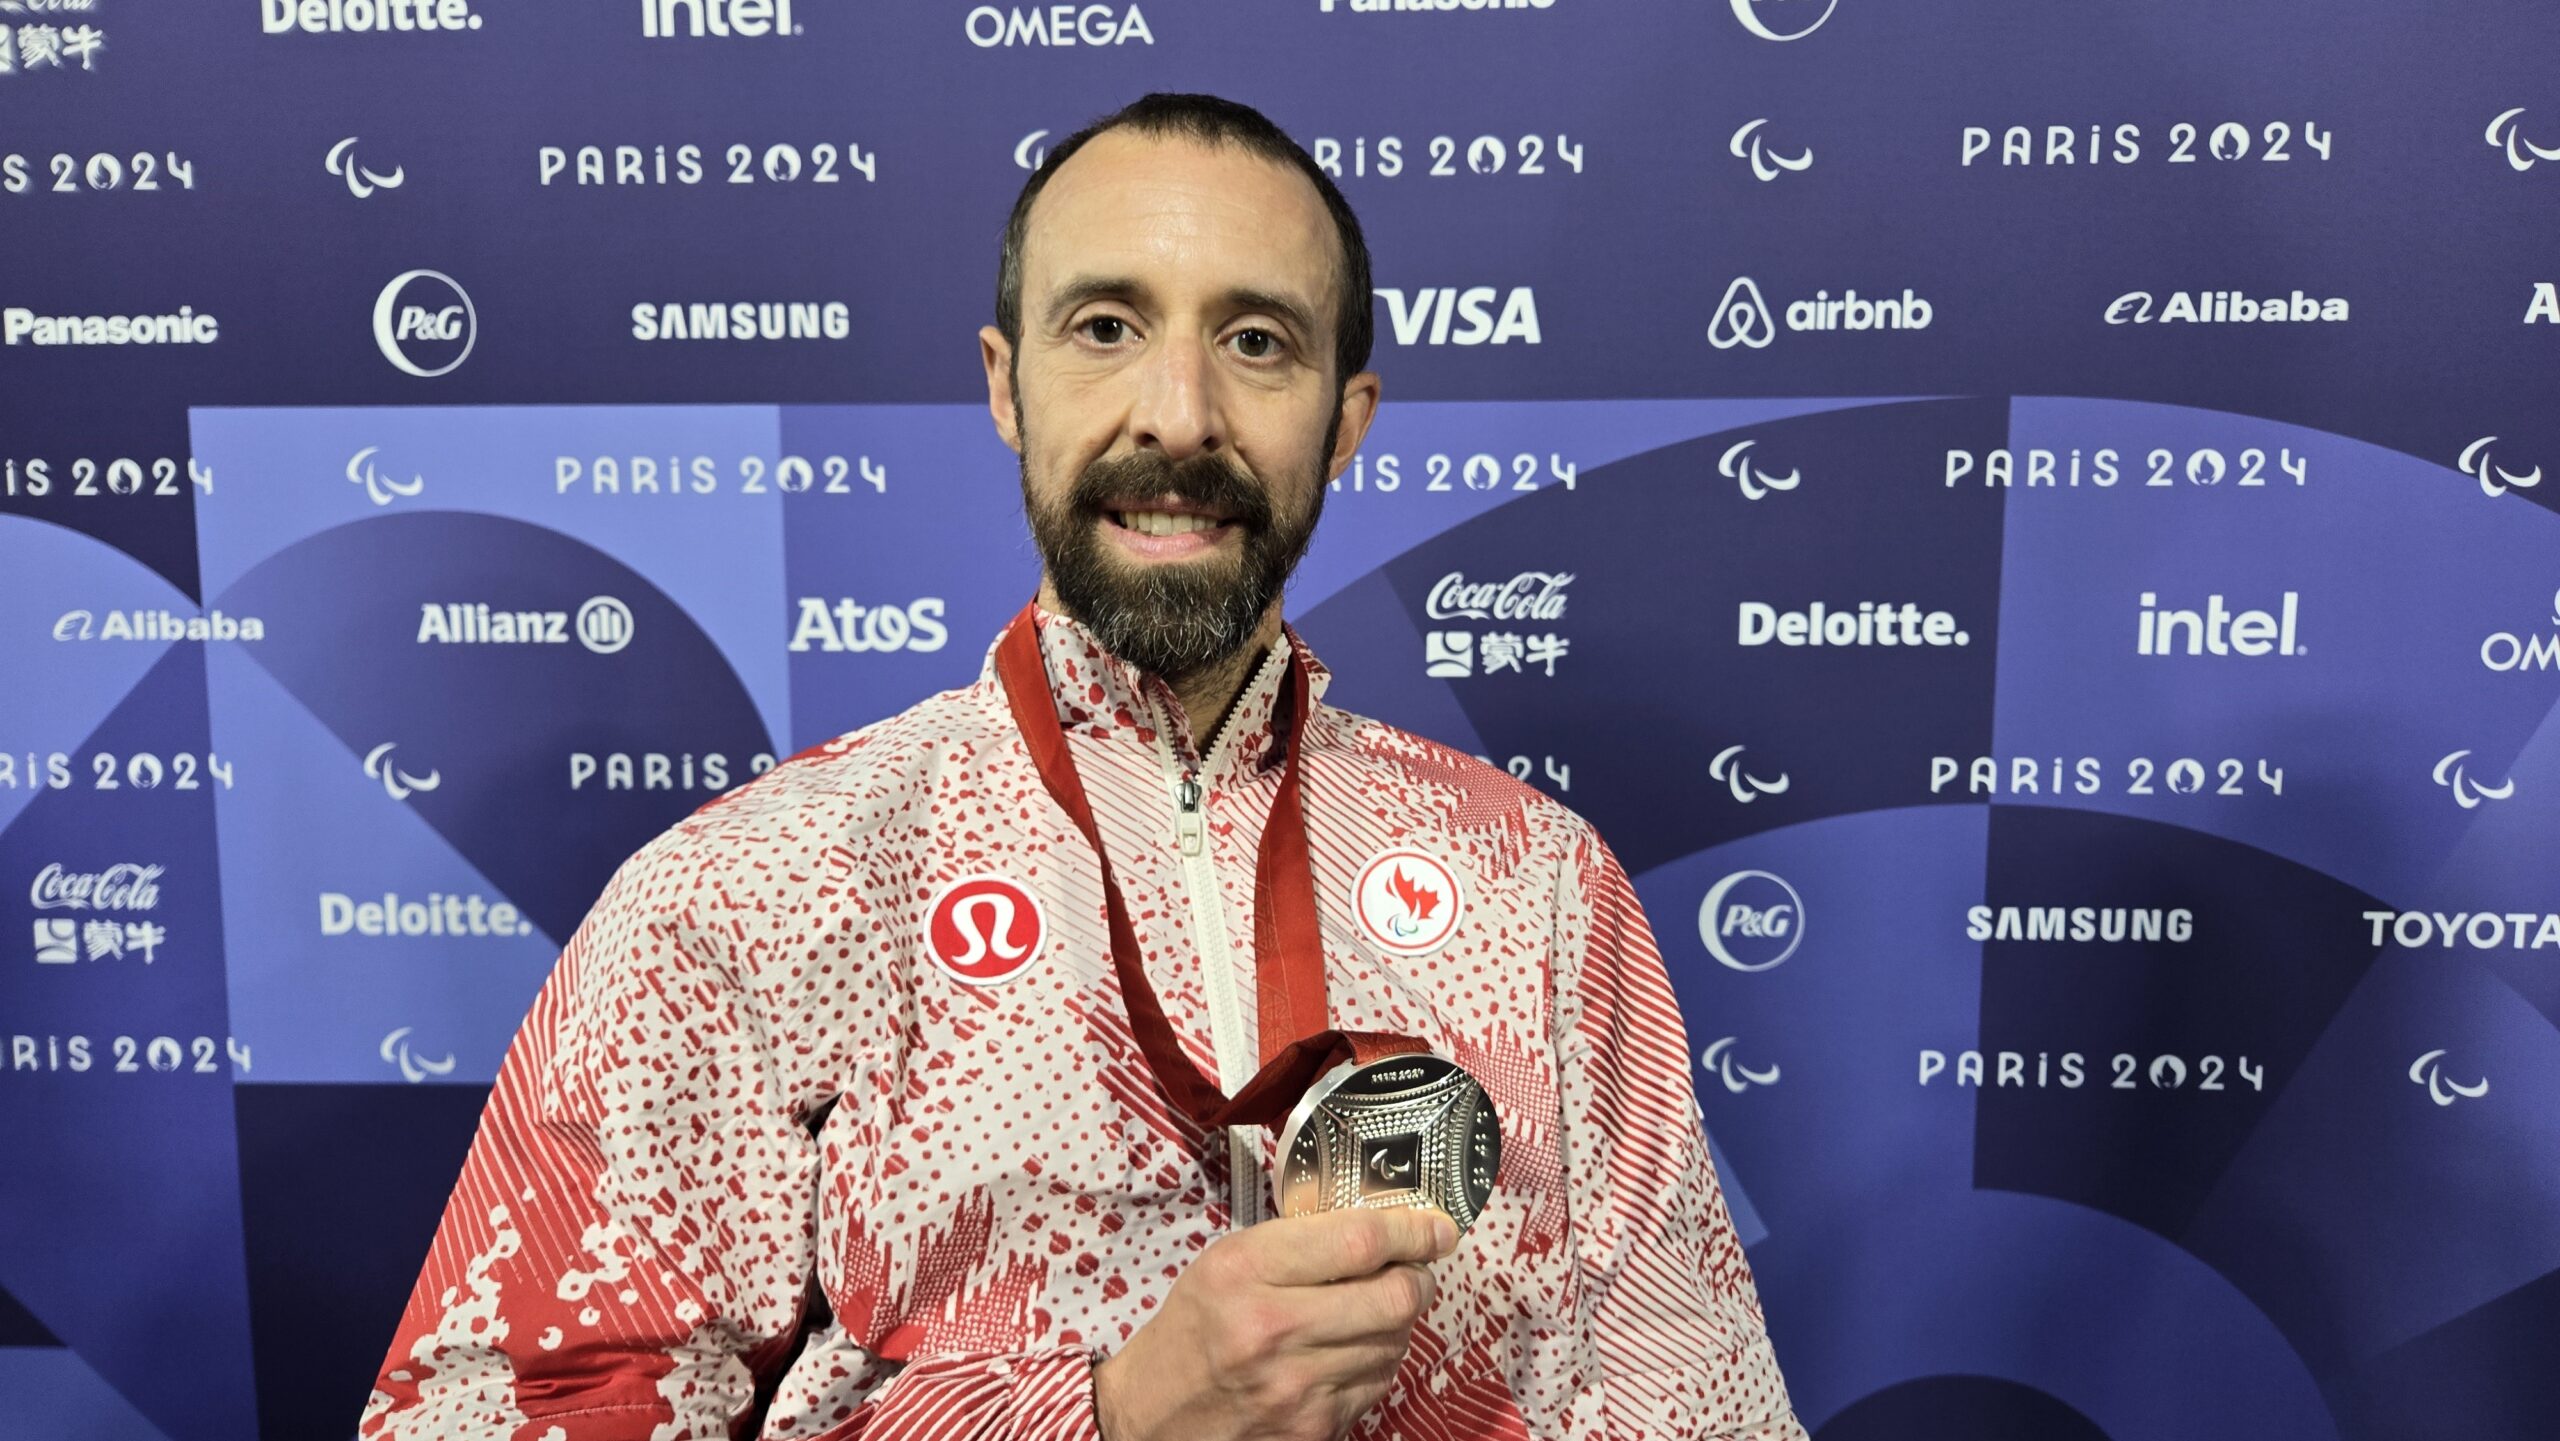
{"x": 887, "y": 1096}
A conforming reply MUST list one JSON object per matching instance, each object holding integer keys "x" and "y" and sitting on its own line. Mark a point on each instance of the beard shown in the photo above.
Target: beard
{"x": 1171, "y": 618}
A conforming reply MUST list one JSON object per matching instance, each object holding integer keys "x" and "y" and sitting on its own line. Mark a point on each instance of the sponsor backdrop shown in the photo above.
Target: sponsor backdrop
{"x": 2026, "y": 526}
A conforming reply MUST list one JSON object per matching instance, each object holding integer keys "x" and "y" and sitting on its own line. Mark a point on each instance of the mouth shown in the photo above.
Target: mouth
{"x": 1165, "y": 530}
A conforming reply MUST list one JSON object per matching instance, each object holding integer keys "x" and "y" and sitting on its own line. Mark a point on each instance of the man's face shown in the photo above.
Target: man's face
{"x": 1172, "y": 396}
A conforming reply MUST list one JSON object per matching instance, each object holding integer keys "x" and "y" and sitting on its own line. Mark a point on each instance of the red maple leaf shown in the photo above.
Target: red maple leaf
{"x": 1417, "y": 900}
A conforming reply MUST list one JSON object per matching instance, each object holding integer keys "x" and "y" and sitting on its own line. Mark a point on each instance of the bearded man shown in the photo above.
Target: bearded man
{"x": 936, "y": 1084}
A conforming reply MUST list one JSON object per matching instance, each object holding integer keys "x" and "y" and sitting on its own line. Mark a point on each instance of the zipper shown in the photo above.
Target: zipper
{"x": 1235, "y": 1049}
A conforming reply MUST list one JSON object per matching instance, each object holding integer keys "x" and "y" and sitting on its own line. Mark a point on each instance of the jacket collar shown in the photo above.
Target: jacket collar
{"x": 1108, "y": 699}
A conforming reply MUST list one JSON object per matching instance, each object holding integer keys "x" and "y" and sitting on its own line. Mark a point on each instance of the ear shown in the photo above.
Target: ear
{"x": 996, "y": 354}
{"x": 1359, "y": 407}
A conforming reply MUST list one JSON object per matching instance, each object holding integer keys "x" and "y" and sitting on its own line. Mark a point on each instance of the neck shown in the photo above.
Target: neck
{"x": 1207, "y": 694}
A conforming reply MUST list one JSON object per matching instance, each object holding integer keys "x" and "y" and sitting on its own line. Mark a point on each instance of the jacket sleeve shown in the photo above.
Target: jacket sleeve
{"x": 1673, "y": 1316}
{"x": 627, "y": 1252}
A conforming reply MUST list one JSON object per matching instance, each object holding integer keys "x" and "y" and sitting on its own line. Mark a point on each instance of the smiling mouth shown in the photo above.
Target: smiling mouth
{"x": 1164, "y": 522}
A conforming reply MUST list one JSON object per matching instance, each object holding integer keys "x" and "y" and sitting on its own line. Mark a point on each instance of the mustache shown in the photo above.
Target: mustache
{"x": 1206, "y": 479}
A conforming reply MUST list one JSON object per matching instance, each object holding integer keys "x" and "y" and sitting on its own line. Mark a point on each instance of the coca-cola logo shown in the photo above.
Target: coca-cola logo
{"x": 127, "y": 887}
{"x": 1530, "y": 595}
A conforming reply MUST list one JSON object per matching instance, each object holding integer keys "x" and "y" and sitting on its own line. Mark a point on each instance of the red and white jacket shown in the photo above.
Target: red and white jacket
{"x": 759, "y": 1164}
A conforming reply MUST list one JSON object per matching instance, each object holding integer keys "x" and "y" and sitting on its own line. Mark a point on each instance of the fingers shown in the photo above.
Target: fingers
{"x": 1382, "y": 1306}
{"x": 1342, "y": 1245}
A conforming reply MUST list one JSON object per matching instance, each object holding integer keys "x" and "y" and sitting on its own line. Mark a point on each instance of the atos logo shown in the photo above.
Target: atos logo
{"x": 984, "y": 930}
{"x": 1029, "y": 153}
{"x": 1751, "y": 921}
{"x": 424, "y": 324}
{"x": 1766, "y": 164}
{"x": 1783, "y": 19}
{"x": 1422, "y": 317}
{"x": 361, "y": 182}
{"x": 2507, "y": 133}
{"x": 1408, "y": 902}
{"x": 1735, "y": 465}
{"x": 379, "y": 488}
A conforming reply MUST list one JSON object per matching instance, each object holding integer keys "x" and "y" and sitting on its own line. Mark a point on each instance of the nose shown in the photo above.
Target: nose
{"x": 1177, "y": 410}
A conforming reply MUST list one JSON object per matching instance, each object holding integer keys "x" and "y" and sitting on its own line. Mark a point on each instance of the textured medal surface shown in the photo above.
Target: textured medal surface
{"x": 1408, "y": 1130}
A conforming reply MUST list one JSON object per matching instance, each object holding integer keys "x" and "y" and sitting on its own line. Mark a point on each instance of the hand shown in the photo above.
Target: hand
{"x": 1286, "y": 1330}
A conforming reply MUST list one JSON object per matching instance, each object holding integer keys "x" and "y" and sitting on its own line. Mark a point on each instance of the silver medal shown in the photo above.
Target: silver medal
{"x": 1407, "y": 1130}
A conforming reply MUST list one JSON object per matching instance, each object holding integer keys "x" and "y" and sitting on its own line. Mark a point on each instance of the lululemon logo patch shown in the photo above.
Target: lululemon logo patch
{"x": 1407, "y": 902}
{"x": 984, "y": 930}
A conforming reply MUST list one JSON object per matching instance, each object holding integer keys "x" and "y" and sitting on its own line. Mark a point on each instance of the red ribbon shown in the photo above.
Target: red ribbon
{"x": 1288, "y": 946}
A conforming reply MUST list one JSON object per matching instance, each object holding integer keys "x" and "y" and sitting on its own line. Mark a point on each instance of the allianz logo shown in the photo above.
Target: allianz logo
{"x": 603, "y": 625}
{"x": 1743, "y": 316}
{"x": 1447, "y": 315}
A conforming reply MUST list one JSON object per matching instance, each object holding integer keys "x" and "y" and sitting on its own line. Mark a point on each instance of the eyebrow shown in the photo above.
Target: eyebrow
{"x": 1120, "y": 287}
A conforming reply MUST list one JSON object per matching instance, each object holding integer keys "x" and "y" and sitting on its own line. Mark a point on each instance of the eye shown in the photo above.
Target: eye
{"x": 1106, "y": 329}
{"x": 1257, "y": 344}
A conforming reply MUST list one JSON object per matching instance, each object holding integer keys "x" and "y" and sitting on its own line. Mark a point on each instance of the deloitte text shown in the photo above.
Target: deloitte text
{"x": 438, "y": 915}
{"x": 1872, "y": 623}
{"x": 329, "y": 17}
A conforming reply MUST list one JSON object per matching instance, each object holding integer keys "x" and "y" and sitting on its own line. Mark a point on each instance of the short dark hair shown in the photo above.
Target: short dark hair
{"x": 1212, "y": 121}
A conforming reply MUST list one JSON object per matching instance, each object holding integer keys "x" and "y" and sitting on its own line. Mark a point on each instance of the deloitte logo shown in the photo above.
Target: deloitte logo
{"x": 424, "y": 324}
{"x": 1751, "y": 921}
{"x": 1783, "y": 19}
{"x": 1744, "y": 318}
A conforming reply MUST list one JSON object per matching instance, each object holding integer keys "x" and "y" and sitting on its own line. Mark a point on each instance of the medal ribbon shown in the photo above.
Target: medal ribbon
{"x": 1288, "y": 948}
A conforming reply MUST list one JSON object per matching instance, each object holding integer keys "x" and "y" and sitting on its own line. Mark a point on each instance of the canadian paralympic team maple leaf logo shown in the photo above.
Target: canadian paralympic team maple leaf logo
{"x": 1408, "y": 901}
{"x": 1419, "y": 902}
